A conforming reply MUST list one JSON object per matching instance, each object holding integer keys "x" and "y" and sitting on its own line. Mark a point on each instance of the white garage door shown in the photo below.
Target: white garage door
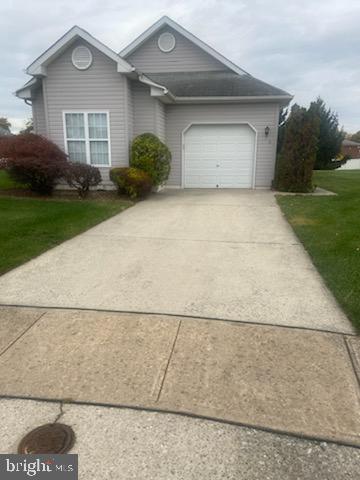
{"x": 219, "y": 156}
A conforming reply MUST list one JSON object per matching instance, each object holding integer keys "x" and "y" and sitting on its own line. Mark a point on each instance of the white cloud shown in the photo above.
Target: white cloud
{"x": 308, "y": 48}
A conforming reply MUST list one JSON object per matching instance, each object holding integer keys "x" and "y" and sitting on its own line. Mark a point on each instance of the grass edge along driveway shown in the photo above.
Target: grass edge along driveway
{"x": 329, "y": 228}
{"x": 29, "y": 227}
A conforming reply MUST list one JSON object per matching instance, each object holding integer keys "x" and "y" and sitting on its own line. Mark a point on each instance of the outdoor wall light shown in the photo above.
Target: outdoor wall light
{"x": 267, "y": 130}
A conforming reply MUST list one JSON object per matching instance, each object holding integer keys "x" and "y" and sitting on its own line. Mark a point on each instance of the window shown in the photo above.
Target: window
{"x": 87, "y": 137}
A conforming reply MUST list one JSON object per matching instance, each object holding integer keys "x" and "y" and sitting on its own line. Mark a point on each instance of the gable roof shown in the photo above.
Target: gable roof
{"x": 38, "y": 67}
{"x": 178, "y": 28}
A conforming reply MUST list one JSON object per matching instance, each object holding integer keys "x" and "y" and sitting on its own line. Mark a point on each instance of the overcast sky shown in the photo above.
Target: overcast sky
{"x": 307, "y": 47}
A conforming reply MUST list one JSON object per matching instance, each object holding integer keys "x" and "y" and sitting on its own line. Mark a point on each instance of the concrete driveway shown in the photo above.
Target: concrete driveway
{"x": 225, "y": 254}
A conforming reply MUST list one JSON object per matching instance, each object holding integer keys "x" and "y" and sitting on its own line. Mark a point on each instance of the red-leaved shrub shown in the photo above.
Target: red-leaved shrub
{"x": 33, "y": 160}
{"x": 82, "y": 176}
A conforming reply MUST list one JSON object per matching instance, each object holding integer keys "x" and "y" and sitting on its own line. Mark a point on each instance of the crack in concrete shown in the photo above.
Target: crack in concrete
{"x": 61, "y": 413}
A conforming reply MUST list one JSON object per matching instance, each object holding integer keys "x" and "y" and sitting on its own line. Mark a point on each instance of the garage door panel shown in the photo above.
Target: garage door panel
{"x": 219, "y": 156}
{"x": 205, "y": 181}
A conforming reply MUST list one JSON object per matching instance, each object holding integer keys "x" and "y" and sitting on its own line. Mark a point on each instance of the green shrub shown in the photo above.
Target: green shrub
{"x": 133, "y": 182}
{"x": 295, "y": 162}
{"x": 151, "y": 155}
{"x": 82, "y": 176}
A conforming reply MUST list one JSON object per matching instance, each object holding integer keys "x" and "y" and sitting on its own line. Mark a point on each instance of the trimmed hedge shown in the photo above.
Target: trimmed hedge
{"x": 133, "y": 182}
{"x": 151, "y": 155}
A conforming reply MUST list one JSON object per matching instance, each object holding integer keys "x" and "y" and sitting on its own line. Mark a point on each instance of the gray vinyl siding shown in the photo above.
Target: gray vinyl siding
{"x": 100, "y": 87}
{"x": 38, "y": 112}
{"x": 178, "y": 117}
{"x": 149, "y": 112}
{"x": 160, "y": 120}
{"x": 186, "y": 56}
{"x": 129, "y": 113}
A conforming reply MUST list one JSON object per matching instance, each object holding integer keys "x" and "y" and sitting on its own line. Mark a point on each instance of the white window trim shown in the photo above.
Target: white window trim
{"x": 87, "y": 139}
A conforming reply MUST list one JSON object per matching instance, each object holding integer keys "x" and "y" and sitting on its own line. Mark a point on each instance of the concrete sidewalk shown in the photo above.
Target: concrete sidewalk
{"x": 115, "y": 444}
{"x": 282, "y": 379}
{"x": 226, "y": 254}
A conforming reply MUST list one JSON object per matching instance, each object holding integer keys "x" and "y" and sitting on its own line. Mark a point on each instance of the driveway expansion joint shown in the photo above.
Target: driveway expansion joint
{"x": 236, "y": 321}
{"x": 183, "y": 413}
{"x": 168, "y": 361}
{"x": 352, "y": 358}
{"x": 24, "y": 332}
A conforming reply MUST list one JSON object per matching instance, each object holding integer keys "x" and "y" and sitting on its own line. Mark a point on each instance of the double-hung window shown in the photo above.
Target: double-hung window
{"x": 87, "y": 137}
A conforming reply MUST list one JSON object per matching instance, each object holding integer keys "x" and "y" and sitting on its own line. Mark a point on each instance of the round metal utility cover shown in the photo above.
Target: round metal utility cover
{"x": 49, "y": 438}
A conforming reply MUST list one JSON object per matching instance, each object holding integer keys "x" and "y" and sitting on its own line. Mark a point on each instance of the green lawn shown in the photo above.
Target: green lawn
{"x": 329, "y": 228}
{"x": 28, "y": 227}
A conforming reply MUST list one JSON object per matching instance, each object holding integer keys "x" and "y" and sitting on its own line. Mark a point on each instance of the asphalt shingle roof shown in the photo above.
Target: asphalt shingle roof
{"x": 214, "y": 84}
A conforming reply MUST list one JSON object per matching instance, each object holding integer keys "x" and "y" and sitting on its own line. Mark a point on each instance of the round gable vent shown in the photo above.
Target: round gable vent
{"x": 81, "y": 57}
{"x": 166, "y": 42}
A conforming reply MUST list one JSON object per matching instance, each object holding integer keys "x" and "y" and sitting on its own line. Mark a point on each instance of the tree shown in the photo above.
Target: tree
{"x": 355, "y": 137}
{"x": 5, "y": 124}
{"x": 284, "y": 113}
{"x": 296, "y": 160}
{"x": 330, "y": 136}
{"x": 29, "y": 126}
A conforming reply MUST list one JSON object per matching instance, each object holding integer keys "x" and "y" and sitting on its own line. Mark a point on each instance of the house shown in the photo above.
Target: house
{"x": 350, "y": 148}
{"x": 219, "y": 122}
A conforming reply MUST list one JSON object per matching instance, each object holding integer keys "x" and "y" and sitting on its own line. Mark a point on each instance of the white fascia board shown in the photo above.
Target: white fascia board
{"x": 38, "y": 67}
{"x": 178, "y": 28}
{"x": 25, "y": 91}
{"x": 283, "y": 99}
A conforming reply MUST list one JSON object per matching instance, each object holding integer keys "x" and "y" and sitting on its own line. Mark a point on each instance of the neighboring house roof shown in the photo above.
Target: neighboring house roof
{"x": 350, "y": 143}
{"x": 167, "y": 21}
{"x": 38, "y": 67}
{"x": 215, "y": 84}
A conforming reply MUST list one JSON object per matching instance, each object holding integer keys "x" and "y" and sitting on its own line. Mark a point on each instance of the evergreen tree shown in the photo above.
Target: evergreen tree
{"x": 330, "y": 136}
{"x": 298, "y": 152}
